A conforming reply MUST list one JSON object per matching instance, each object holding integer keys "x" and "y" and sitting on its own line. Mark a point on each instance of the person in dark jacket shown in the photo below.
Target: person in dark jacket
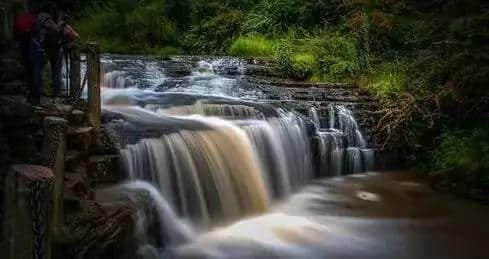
{"x": 33, "y": 50}
{"x": 53, "y": 46}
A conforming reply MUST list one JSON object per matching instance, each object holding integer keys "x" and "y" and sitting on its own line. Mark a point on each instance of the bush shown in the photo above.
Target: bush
{"x": 388, "y": 78}
{"x": 253, "y": 47}
{"x": 125, "y": 26}
{"x": 214, "y": 35}
{"x": 464, "y": 155}
{"x": 303, "y": 65}
{"x": 273, "y": 16}
{"x": 338, "y": 57}
{"x": 296, "y": 65}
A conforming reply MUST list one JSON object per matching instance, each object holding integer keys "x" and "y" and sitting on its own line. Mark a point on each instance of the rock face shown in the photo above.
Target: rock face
{"x": 96, "y": 230}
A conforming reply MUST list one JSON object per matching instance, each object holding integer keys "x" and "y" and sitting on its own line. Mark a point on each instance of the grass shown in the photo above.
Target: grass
{"x": 253, "y": 47}
{"x": 304, "y": 65}
{"x": 387, "y": 78}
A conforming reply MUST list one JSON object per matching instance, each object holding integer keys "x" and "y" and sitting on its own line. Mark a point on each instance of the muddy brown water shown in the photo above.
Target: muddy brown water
{"x": 372, "y": 215}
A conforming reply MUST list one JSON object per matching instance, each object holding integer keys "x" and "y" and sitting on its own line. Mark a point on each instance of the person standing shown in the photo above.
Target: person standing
{"x": 53, "y": 46}
{"x": 32, "y": 30}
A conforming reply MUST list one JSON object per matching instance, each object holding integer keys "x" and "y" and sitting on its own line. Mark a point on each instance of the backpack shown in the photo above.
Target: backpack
{"x": 24, "y": 24}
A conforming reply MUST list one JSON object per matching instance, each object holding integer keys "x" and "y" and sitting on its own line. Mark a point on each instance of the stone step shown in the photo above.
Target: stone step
{"x": 73, "y": 159}
{"x": 285, "y": 83}
{"x": 80, "y": 138}
{"x": 261, "y": 70}
{"x": 104, "y": 169}
{"x": 78, "y": 118}
{"x": 75, "y": 185}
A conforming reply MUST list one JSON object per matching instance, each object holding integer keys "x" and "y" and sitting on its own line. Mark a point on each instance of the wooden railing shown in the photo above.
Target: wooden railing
{"x": 90, "y": 79}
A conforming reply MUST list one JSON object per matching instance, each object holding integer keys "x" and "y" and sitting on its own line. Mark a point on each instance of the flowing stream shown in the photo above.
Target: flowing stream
{"x": 218, "y": 162}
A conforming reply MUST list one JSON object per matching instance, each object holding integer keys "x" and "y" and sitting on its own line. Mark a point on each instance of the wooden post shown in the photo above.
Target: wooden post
{"x": 54, "y": 149}
{"x": 93, "y": 66}
{"x": 75, "y": 72}
{"x": 28, "y": 190}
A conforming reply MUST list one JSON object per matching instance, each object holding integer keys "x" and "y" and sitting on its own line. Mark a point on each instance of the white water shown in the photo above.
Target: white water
{"x": 342, "y": 148}
{"x": 212, "y": 154}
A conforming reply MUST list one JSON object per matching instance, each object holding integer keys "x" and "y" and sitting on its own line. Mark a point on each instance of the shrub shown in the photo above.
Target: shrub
{"x": 464, "y": 155}
{"x": 273, "y": 16}
{"x": 338, "y": 57}
{"x": 214, "y": 35}
{"x": 304, "y": 65}
{"x": 296, "y": 65}
{"x": 387, "y": 78}
{"x": 124, "y": 26}
{"x": 253, "y": 47}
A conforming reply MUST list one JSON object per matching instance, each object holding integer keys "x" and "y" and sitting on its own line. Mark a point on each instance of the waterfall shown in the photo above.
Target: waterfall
{"x": 208, "y": 152}
{"x": 224, "y": 111}
{"x": 313, "y": 113}
{"x": 116, "y": 79}
{"x": 205, "y": 174}
{"x": 331, "y": 152}
{"x": 342, "y": 147}
{"x": 353, "y": 161}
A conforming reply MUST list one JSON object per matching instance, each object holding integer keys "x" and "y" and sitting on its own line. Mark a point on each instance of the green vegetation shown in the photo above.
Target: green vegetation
{"x": 253, "y": 47}
{"x": 126, "y": 26}
{"x": 427, "y": 62}
{"x": 462, "y": 158}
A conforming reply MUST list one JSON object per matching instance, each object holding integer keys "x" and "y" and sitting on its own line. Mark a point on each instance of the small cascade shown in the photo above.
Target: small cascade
{"x": 313, "y": 114}
{"x": 342, "y": 148}
{"x": 224, "y": 111}
{"x": 349, "y": 126}
{"x": 353, "y": 161}
{"x": 283, "y": 146}
{"x": 331, "y": 153}
{"x": 117, "y": 80}
{"x": 368, "y": 158}
{"x": 331, "y": 115}
{"x": 128, "y": 73}
{"x": 228, "y": 66}
{"x": 154, "y": 213}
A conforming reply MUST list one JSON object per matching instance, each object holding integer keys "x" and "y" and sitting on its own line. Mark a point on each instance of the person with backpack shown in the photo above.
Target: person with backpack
{"x": 31, "y": 30}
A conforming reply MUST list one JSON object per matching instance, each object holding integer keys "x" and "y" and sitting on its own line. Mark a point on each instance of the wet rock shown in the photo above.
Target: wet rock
{"x": 107, "y": 142}
{"x": 80, "y": 138}
{"x": 73, "y": 158}
{"x": 78, "y": 118}
{"x": 104, "y": 169}
{"x": 178, "y": 69}
{"x": 76, "y": 186}
{"x": 97, "y": 230}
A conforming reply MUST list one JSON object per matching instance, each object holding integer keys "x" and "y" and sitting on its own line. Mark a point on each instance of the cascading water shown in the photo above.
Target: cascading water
{"x": 342, "y": 148}
{"x": 209, "y": 150}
